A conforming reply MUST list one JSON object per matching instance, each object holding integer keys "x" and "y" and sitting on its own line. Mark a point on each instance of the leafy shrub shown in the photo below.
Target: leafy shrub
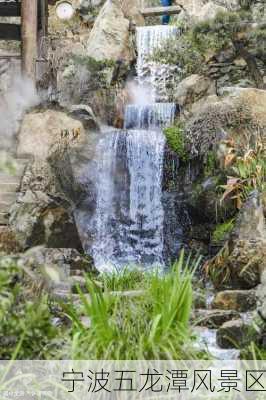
{"x": 176, "y": 141}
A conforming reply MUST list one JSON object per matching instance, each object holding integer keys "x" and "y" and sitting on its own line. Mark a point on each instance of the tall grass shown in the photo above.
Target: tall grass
{"x": 153, "y": 325}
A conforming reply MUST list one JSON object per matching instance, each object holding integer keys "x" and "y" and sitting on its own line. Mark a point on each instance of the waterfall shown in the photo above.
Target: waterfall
{"x": 159, "y": 77}
{"x": 127, "y": 222}
{"x": 127, "y": 226}
{"x": 150, "y": 38}
{"x": 149, "y": 116}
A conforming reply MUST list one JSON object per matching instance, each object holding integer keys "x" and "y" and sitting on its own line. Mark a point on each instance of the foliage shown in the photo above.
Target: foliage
{"x": 234, "y": 29}
{"x": 92, "y": 64}
{"x": 181, "y": 52}
{"x": 128, "y": 279}
{"x": 21, "y": 320}
{"x": 176, "y": 141}
{"x": 222, "y": 230}
{"x": 248, "y": 173}
{"x": 153, "y": 325}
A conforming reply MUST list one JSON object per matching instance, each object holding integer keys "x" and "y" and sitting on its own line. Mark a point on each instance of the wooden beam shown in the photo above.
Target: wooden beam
{"x": 10, "y": 32}
{"x": 29, "y": 25}
{"x": 157, "y": 11}
{"x": 43, "y": 17}
{"x": 8, "y": 9}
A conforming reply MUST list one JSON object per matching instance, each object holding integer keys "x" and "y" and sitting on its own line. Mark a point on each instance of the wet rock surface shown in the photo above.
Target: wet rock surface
{"x": 234, "y": 334}
{"x": 238, "y": 300}
{"x": 38, "y": 218}
{"x": 214, "y": 318}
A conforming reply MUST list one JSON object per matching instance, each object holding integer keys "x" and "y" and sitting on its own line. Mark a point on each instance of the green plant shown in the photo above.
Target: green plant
{"x": 29, "y": 322}
{"x": 151, "y": 325}
{"x": 222, "y": 230}
{"x": 176, "y": 141}
{"x": 128, "y": 279}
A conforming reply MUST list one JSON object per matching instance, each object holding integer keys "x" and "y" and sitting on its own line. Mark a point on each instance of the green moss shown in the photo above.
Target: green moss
{"x": 222, "y": 230}
{"x": 176, "y": 141}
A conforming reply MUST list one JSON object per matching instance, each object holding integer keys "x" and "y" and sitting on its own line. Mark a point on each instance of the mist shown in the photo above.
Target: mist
{"x": 139, "y": 94}
{"x": 20, "y": 96}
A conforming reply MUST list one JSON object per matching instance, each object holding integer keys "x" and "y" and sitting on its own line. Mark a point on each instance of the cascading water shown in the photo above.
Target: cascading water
{"x": 157, "y": 76}
{"x": 149, "y": 116}
{"x": 127, "y": 224}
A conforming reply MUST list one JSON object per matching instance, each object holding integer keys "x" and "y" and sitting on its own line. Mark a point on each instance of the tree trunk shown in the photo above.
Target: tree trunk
{"x": 251, "y": 63}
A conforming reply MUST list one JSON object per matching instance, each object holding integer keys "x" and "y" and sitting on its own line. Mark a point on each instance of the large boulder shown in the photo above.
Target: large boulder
{"x": 110, "y": 36}
{"x": 38, "y": 218}
{"x": 59, "y": 145}
{"x": 42, "y": 130}
{"x": 192, "y": 89}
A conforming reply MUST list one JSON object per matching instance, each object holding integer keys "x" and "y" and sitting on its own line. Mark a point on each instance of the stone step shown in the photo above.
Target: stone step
{"x": 235, "y": 334}
{"x": 8, "y": 197}
{"x": 9, "y": 187}
{"x": 7, "y": 178}
{"x": 4, "y": 218}
{"x": 5, "y": 207}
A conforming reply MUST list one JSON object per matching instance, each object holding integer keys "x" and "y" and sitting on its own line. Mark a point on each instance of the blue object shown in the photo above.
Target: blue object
{"x": 166, "y": 18}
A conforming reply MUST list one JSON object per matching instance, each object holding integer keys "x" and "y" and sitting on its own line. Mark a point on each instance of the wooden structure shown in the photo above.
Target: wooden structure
{"x": 158, "y": 11}
{"x": 33, "y": 26}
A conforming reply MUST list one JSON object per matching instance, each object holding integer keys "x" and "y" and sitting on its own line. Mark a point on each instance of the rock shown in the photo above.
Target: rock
{"x": 201, "y": 10}
{"x": 191, "y": 89}
{"x": 131, "y": 10}
{"x": 243, "y": 257}
{"x": 38, "y": 218}
{"x": 86, "y": 115}
{"x": 209, "y": 11}
{"x": 214, "y": 318}
{"x": 50, "y": 269}
{"x": 67, "y": 260}
{"x": 42, "y": 131}
{"x": 83, "y": 80}
{"x": 216, "y": 118}
{"x": 109, "y": 38}
{"x": 238, "y": 300}
{"x": 234, "y": 334}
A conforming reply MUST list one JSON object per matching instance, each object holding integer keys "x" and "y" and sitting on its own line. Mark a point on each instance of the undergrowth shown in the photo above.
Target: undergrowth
{"x": 151, "y": 325}
{"x": 151, "y": 322}
{"x": 21, "y": 320}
